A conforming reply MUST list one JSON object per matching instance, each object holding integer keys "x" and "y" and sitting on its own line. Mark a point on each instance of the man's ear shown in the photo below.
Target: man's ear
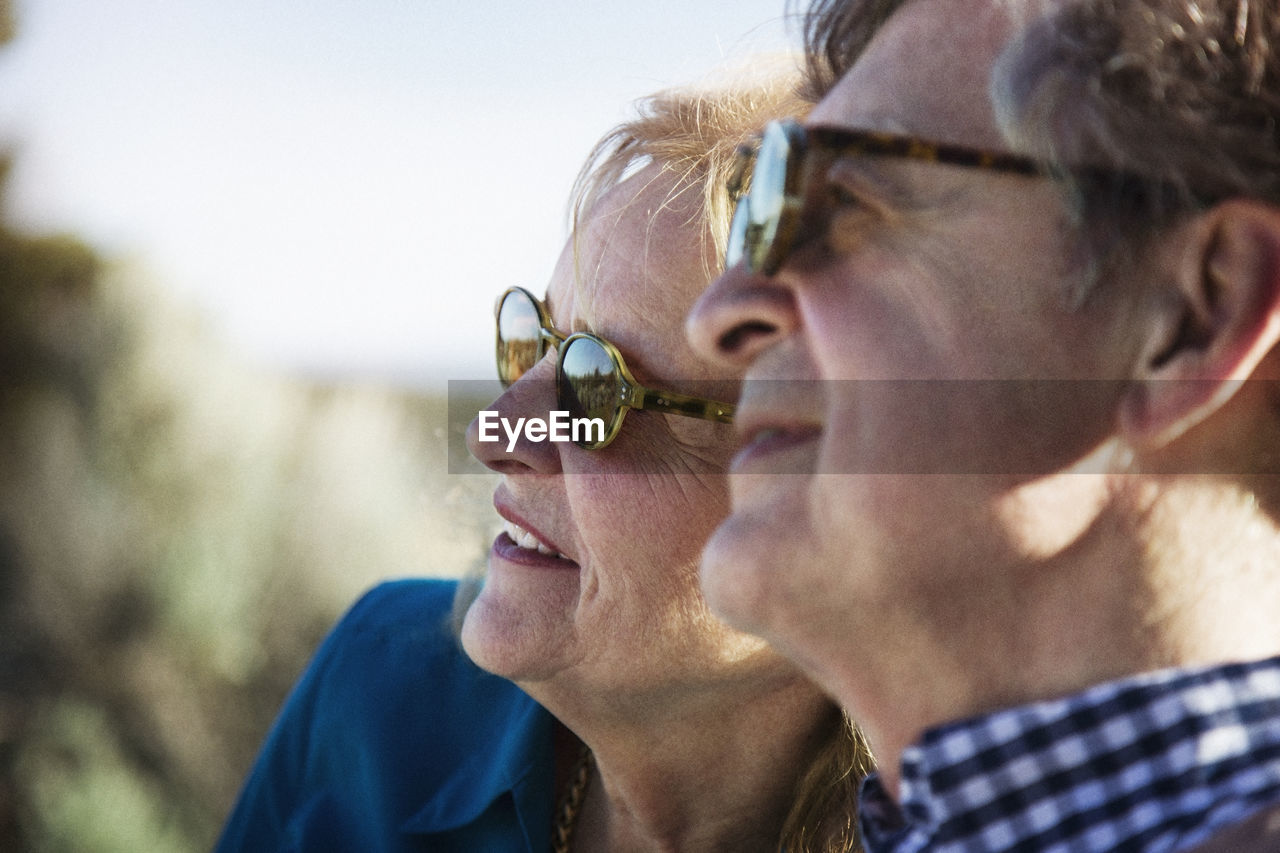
{"x": 1216, "y": 319}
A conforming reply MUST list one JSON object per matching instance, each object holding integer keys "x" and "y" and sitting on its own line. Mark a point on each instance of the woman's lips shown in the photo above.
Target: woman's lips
{"x": 508, "y": 550}
{"x": 525, "y": 546}
{"x": 527, "y": 539}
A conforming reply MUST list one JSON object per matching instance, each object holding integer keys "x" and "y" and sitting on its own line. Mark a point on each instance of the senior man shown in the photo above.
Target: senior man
{"x": 1016, "y": 504}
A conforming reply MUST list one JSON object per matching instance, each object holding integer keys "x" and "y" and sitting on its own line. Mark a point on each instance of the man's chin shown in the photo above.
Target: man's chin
{"x": 742, "y": 574}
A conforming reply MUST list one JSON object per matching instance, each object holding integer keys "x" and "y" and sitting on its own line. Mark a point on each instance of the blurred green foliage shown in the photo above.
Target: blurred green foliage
{"x": 177, "y": 530}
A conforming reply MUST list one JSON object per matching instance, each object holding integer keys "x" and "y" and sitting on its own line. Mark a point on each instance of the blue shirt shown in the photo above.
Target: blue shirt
{"x": 1157, "y": 763}
{"x": 393, "y": 740}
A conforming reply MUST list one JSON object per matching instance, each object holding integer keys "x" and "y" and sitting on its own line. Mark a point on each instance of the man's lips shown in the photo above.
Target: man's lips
{"x": 771, "y": 444}
{"x": 776, "y": 414}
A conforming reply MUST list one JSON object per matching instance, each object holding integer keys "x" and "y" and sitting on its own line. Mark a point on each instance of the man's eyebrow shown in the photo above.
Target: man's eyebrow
{"x": 878, "y": 176}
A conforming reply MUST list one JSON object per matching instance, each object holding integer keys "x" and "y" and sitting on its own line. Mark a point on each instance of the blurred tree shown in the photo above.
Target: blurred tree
{"x": 6, "y": 21}
{"x": 42, "y": 281}
{"x": 177, "y": 531}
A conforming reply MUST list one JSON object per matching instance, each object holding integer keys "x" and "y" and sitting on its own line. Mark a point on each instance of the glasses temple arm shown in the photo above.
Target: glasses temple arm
{"x": 683, "y": 404}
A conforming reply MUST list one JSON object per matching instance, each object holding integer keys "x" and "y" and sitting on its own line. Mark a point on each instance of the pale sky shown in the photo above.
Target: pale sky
{"x": 342, "y": 186}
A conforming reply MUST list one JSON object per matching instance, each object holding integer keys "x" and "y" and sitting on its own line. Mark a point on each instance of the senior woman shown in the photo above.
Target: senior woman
{"x": 598, "y": 705}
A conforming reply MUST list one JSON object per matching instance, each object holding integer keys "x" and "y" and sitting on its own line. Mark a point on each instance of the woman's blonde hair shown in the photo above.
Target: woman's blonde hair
{"x": 692, "y": 136}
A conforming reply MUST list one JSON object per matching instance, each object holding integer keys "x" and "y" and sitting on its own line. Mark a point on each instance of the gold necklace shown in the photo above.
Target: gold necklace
{"x": 571, "y": 803}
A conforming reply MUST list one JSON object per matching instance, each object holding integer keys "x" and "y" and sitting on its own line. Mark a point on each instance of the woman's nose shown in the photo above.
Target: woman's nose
{"x": 497, "y": 438}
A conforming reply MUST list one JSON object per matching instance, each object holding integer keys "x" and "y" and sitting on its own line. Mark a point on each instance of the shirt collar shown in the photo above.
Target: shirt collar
{"x": 520, "y": 766}
{"x": 1113, "y": 762}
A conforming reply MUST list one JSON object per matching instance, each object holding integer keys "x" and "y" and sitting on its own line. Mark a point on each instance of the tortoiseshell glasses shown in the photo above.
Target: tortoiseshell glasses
{"x": 770, "y": 179}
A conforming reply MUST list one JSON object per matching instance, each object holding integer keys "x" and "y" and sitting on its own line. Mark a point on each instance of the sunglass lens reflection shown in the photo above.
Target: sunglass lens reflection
{"x": 736, "y": 246}
{"x": 519, "y": 337}
{"x": 589, "y": 383}
{"x": 767, "y": 196}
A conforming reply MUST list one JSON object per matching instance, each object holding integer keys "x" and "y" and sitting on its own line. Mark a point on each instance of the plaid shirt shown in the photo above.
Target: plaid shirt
{"x": 1158, "y": 762}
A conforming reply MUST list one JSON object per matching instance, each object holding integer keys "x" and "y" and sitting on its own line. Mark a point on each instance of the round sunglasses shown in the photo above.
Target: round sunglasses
{"x": 592, "y": 380}
{"x": 771, "y": 177}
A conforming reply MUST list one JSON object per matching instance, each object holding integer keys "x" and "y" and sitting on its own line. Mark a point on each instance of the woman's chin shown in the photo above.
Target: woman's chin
{"x": 513, "y": 639}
